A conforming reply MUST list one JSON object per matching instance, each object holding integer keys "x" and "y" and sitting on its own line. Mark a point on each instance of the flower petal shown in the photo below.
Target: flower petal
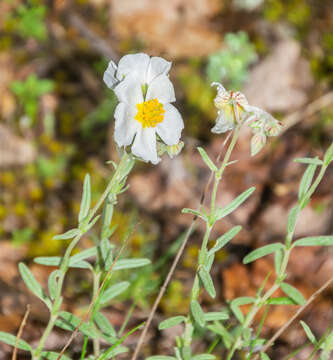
{"x": 134, "y": 64}
{"x": 129, "y": 91}
{"x": 222, "y": 124}
{"x": 144, "y": 145}
{"x": 161, "y": 89}
{"x": 157, "y": 66}
{"x": 110, "y": 75}
{"x": 172, "y": 125}
{"x": 125, "y": 125}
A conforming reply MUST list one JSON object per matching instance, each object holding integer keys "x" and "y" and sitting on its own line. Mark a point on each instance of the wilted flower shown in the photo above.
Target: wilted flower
{"x": 234, "y": 110}
{"x": 145, "y": 94}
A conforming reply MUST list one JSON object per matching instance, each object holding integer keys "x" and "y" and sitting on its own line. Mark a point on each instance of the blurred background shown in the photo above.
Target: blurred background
{"x": 56, "y": 124}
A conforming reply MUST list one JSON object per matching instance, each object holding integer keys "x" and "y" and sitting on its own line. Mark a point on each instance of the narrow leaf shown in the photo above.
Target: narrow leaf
{"x": 280, "y": 301}
{"x": 207, "y": 159}
{"x": 225, "y": 238}
{"x": 207, "y": 282}
{"x": 51, "y": 355}
{"x": 263, "y": 251}
{"x": 264, "y": 356}
{"x": 315, "y": 241}
{"x": 278, "y": 256}
{"x": 197, "y": 313}
{"x": 306, "y": 160}
{"x": 214, "y": 316}
{"x": 68, "y": 321}
{"x": 130, "y": 263}
{"x": 193, "y": 212}
{"x": 83, "y": 255}
{"x": 114, "y": 291}
{"x": 86, "y": 198}
{"x": 53, "y": 283}
{"x": 67, "y": 235}
{"x": 103, "y": 323}
{"x": 221, "y": 213}
{"x": 11, "y": 340}
{"x": 292, "y": 218}
{"x": 308, "y": 332}
{"x": 33, "y": 284}
{"x": 168, "y": 323}
{"x": 306, "y": 180}
{"x": 56, "y": 261}
{"x": 328, "y": 155}
{"x": 293, "y": 293}
{"x": 219, "y": 329}
{"x": 161, "y": 357}
{"x": 204, "y": 357}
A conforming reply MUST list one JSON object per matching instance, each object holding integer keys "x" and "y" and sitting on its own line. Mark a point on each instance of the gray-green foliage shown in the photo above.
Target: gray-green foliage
{"x": 230, "y": 64}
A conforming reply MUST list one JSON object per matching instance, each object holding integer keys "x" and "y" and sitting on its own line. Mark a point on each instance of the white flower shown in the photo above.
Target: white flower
{"x": 145, "y": 94}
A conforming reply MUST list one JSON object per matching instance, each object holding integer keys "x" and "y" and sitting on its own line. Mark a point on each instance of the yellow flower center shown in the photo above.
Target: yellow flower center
{"x": 150, "y": 113}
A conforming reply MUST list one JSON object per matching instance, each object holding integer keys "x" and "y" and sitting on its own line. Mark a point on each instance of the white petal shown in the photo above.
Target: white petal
{"x": 161, "y": 88}
{"x": 134, "y": 64}
{"x": 144, "y": 145}
{"x": 171, "y": 127}
{"x": 125, "y": 125}
{"x": 129, "y": 91}
{"x": 110, "y": 75}
{"x": 222, "y": 125}
{"x": 157, "y": 66}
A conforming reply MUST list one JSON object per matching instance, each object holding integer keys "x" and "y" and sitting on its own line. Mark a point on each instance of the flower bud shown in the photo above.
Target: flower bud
{"x": 258, "y": 141}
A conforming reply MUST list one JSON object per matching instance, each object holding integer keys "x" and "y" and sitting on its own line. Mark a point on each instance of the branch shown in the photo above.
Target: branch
{"x": 19, "y": 334}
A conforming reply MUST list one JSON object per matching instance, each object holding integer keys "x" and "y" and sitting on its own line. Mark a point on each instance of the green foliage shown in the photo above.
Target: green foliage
{"x": 230, "y": 65}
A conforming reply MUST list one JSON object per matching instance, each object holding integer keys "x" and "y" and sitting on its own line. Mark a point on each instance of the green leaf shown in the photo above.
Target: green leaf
{"x": 68, "y": 321}
{"x": 204, "y": 357}
{"x": 11, "y": 340}
{"x": 114, "y": 291}
{"x": 168, "y": 323}
{"x": 207, "y": 159}
{"x": 221, "y": 213}
{"x": 197, "y": 313}
{"x": 308, "y": 332}
{"x": 51, "y": 355}
{"x": 83, "y": 255}
{"x": 214, "y": 316}
{"x": 234, "y": 306}
{"x": 194, "y": 212}
{"x": 264, "y": 356}
{"x": 161, "y": 357}
{"x": 33, "y": 284}
{"x": 53, "y": 283}
{"x": 130, "y": 263}
{"x": 314, "y": 161}
{"x": 292, "y": 218}
{"x": 219, "y": 329}
{"x": 293, "y": 293}
{"x": 114, "y": 352}
{"x": 103, "y": 323}
{"x": 328, "y": 155}
{"x": 86, "y": 198}
{"x": 278, "y": 256}
{"x": 306, "y": 180}
{"x": 280, "y": 301}
{"x": 56, "y": 261}
{"x": 263, "y": 251}
{"x": 67, "y": 235}
{"x": 315, "y": 241}
{"x": 225, "y": 238}
{"x": 207, "y": 282}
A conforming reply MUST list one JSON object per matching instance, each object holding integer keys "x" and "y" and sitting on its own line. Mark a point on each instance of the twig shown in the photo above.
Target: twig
{"x": 90, "y": 308}
{"x": 19, "y": 334}
{"x": 175, "y": 262}
{"x": 287, "y": 324}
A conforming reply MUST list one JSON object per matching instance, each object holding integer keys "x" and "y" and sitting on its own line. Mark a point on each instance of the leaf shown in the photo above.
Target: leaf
{"x": 53, "y": 283}
{"x": 33, "y": 284}
{"x": 264, "y": 356}
{"x": 204, "y": 357}
{"x": 278, "y": 256}
{"x": 219, "y": 329}
{"x": 114, "y": 352}
{"x": 315, "y": 241}
{"x": 56, "y": 261}
{"x": 194, "y": 212}
{"x": 308, "y": 332}
{"x": 314, "y": 161}
{"x": 293, "y": 293}
{"x": 86, "y": 198}
{"x": 82, "y": 255}
{"x": 114, "y": 291}
{"x": 207, "y": 159}
{"x": 292, "y": 218}
{"x": 68, "y": 321}
{"x": 306, "y": 180}
{"x": 221, "y": 213}
{"x": 280, "y": 301}
{"x": 263, "y": 251}
{"x": 51, "y": 355}
{"x": 67, "y": 235}
{"x": 11, "y": 340}
{"x": 234, "y": 305}
{"x": 225, "y": 238}
{"x": 214, "y": 316}
{"x": 207, "y": 282}
{"x": 328, "y": 155}
{"x": 161, "y": 357}
{"x": 197, "y": 313}
{"x": 130, "y": 263}
{"x": 103, "y": 323}
{"x": 168, "y": 323}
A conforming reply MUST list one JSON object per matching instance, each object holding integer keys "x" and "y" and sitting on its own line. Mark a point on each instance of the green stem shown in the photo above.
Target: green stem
{"x": 96, "y": 285}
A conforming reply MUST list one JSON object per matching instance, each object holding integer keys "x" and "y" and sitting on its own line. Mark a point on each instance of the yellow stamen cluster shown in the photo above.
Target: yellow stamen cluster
{"x": 150, "y": 113}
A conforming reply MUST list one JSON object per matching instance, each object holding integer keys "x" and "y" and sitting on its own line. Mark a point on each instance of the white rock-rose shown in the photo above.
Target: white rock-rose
{"x": 144, "y": 112}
